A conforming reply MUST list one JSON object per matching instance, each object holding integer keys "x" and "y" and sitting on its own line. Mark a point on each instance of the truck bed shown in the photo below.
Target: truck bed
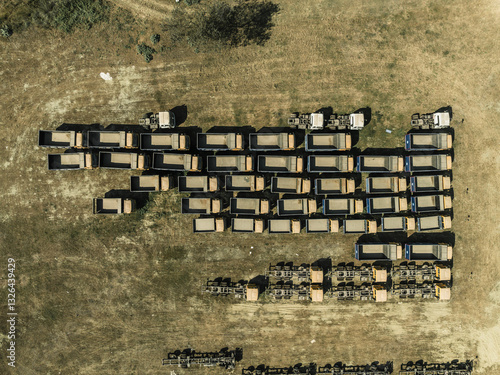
{"x": 199, "y": 206}
{"x": 111, "y": 139}
{"x": 383, "y": 205}
{"x": 249, "y": 206}
{"x": 380, "y": 164}
{"x": 219, "y": 141}
{"x": 164, "y": 141}
{"x": 244, "y": 183}
{"x": 113, "y": 205}
{"x": 293, "y": 207}
{"x": 60, "y": 139}
{"x": 334, "y": 186}
{"x": 122, "y": 160}
{"x": 176, "y": 162}
{"x": 422, "y": 184}
{"x": 208, "y": 225}
{"x": 429, "y": 203}
{"x": 357, "y": 226}
{"x": 433, "y": 223}
{"x": 145, "y": 183}
{"x": 271, "y": 141}
{"x": 386, "y": 251}
{"x": 330, "y": 163}
{"x": 342, "y": 206}
{"x": 245, "y": 225}
{"x": 280, "y": 226}
{"x": 70, "y": 161}
{"x": 428, "y": 252}
{"x": 328, "y": 142}
{"x": 291, "y": 185}
{"x": 397, "y": 224}
{"x": 381, "y": 185}
{"x": 428, "y": 141}
{"x": 424, "y": 163}
{"x": 229, "y": 163}
{"x": 322, "y": 225}
{"x": 280, "y": 164}
{"x": 190, "y": 184}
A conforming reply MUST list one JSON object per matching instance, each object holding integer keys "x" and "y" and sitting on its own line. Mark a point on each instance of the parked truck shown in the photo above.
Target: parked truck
{"x": 176, "y": 162}
{"x": 245, "y": 225}
{"x": 380, "y": 164}
{"x": 283, "y": 226}
{"x": 427, "y": 163}
{"x": 316, "y": 121}
{"x": 359, "y": 226}
{"x": 429, "y": 203}
{"x": 249, "y": 206}
{"x": 436, "y": 120}
{"x": 162, "y": 120}
{"x": 330, "y": 163}
{"x": 382, "y": 251}
{"x": 290, "y": 185}
{"x": 353, "y": 121}
{"x": 425, "y": 184}
{"x": 334, "y": 186}
{"x": 235, "y": 183}
{"x": 70, "y": 161}
{"x": 112, "y": 139}
{"x": 322, "y": 225}
{"x": 385, "y": 185}
{"x": 113, "y": 205}
{"x": 272, "y": 141}
{"x": 328, "y": 142}
{"x": 342, "y": 206}
{"x": 280, "y": 164}
{"x": 397, "y": 224}
{"x": 198, "y": 184}
{"x": 229, "y": 163}
{"x": 200, "y": 206}
{"x": 208, "y": 225}
{"x": 220, "y": 142}
{"x": 150, "y": 183}
{"x": 428, "y": 141}
{"x": 385, "y": 205}
{"x": 433, "y": 223}
{"x": 428, "y": 251}
{"x": 294, "y": 207}
{"x": 123, "y": 160}
{"x": 164, "y": 142}
{"x": 61, "y": 139}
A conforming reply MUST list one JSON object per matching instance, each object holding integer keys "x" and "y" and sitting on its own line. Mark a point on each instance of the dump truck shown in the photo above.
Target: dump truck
{"x": 162, "y": 120}
{"x": 427, "y": 163}
{"x": 334, "y": 186}
{"x": 251, "y": 183}
{"x": 61, "y": 139}
{"x": 385, "y": 185}
{"x": 428, "y": 141}
{"x": 220, "y": 142}
{"x": 385, "y": 205}
{"x": 433, "y": 223}
{"x": 424, "y": 184}
{"x": 397, "y": 224}
{"x": 342, "y": 206}
{"x": 280, "y": 164}
{"x": 208, "y": 225}
{"x": 249, "y": 206}
{"x": 123, "y": 160}
{"x": 164, "y": 142}
{"x": 176, "y": 162}
{"x": 272, "y": 141}
{"x": 229, "y": 163}
{"x": 293, "y": 207}
{"x": 290, "y": 185}
{"x": 380, "y": 164}
{"x": 200, "y": 206}
{"x": 146, "y": 183}
{"x": 359, "y": 226}
{"x": 436, "y": 120}
{"x": 70, "y": 161}
{"x": 428, "y": 251}
{"x": 322, "y": 225}
{"x": 198, "y": 184}
{"x": 245, "y": 225}
{"x": 283, "y": 226}
{"x": 112, "y": 139}
{"x": 429, "y": 203}
{"x": 328, "y": 142}
{"x": 113, "y": 205}
{"x": 382, "y": 251}
{"x": 330, "y": 163}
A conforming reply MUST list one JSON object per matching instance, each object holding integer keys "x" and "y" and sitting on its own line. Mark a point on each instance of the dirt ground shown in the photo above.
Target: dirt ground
{"x": 114, "y": 295}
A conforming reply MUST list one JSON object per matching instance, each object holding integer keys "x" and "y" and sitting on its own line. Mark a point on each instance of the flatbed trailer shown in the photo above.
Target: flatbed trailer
{"x": 164, "y": 142}
{"x": 330, "y": 163}
{"x": 380, "y": 164}
{"x": 69, "y": 161}
{"x": 61, "y": 139}
{"x": 428, "y": 163}
{"x": 430, "y": 203}
{"x": 248, "y": 183}
{"x": 428, "y": 141}
{"x": 427, "y": 184}
{"x": 272, "y": 141}
{"x": 385, "y": 185}
{"x": 229, "y": 163}
{"x": 328, "y": 142}
{"x": 220, "y": 142}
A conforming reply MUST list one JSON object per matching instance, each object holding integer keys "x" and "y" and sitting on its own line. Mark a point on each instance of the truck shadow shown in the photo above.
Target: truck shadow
{"x": 180, "y": 112}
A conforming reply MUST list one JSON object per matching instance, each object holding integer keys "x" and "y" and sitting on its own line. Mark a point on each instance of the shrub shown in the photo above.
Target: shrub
{"x": 191, "y": 2}
{"x": 146, "y": 51}
{"x": 5, "y": 31}
{"x": 155, "y": 38}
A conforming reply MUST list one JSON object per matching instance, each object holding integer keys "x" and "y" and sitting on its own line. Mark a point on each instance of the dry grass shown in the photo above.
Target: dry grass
{"x": 114, "y": 295}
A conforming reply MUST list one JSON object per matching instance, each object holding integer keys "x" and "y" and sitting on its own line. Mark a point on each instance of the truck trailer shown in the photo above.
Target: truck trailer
{"x": 380, "y": 164}
{"x": 220, "y": 142}
{"x": 342, "y": 206}
{"x": 290, "y": 185}
{"x": 249, "y": 206}
{"x": 280, "y": 164}
{"x": 322, "y": 225}
{"x": 198, "y": 184}
{"x": 397, "y": 224}
{"x": 272, "y": 141}
{"x": 429, "y": 203}
{"x": 385, "y": 185}
{"x": 428, "y": 141}
{"x": 386, "y": 205}
{"x": 164, "y": 142}
{"x": 61, "y": 139}
{"x": 123, "y": 160}
{"x": 176, "y": 162}
{"x": 246, "y": 225}
{"x": 70, "y": 161}
{"x": 328, "y": 142}
{"x": 200, "y": 206}
{"x": 229, "y": 163}
{"x": 208, "y": 225}
{"x": 330, "y": 163}
{"x": 150, "y": 183}
{"x": 294, "y": 207}
{"x": 428, "y": 251}
{"x": 427, "y": 184}
{"x": 109, "y": 206}
{"x": 436, "y": 120}
{"x": 427, "y": 163}
{"x": 112, "y": 139}
{"x": 359, "y": 226}
{"x": 334, "y": 186}
{"x": 437, "y": 222}
{"x": 283, "y": 226}
{"x": 250, "y": 183}
{"x": 382, "y": 251}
